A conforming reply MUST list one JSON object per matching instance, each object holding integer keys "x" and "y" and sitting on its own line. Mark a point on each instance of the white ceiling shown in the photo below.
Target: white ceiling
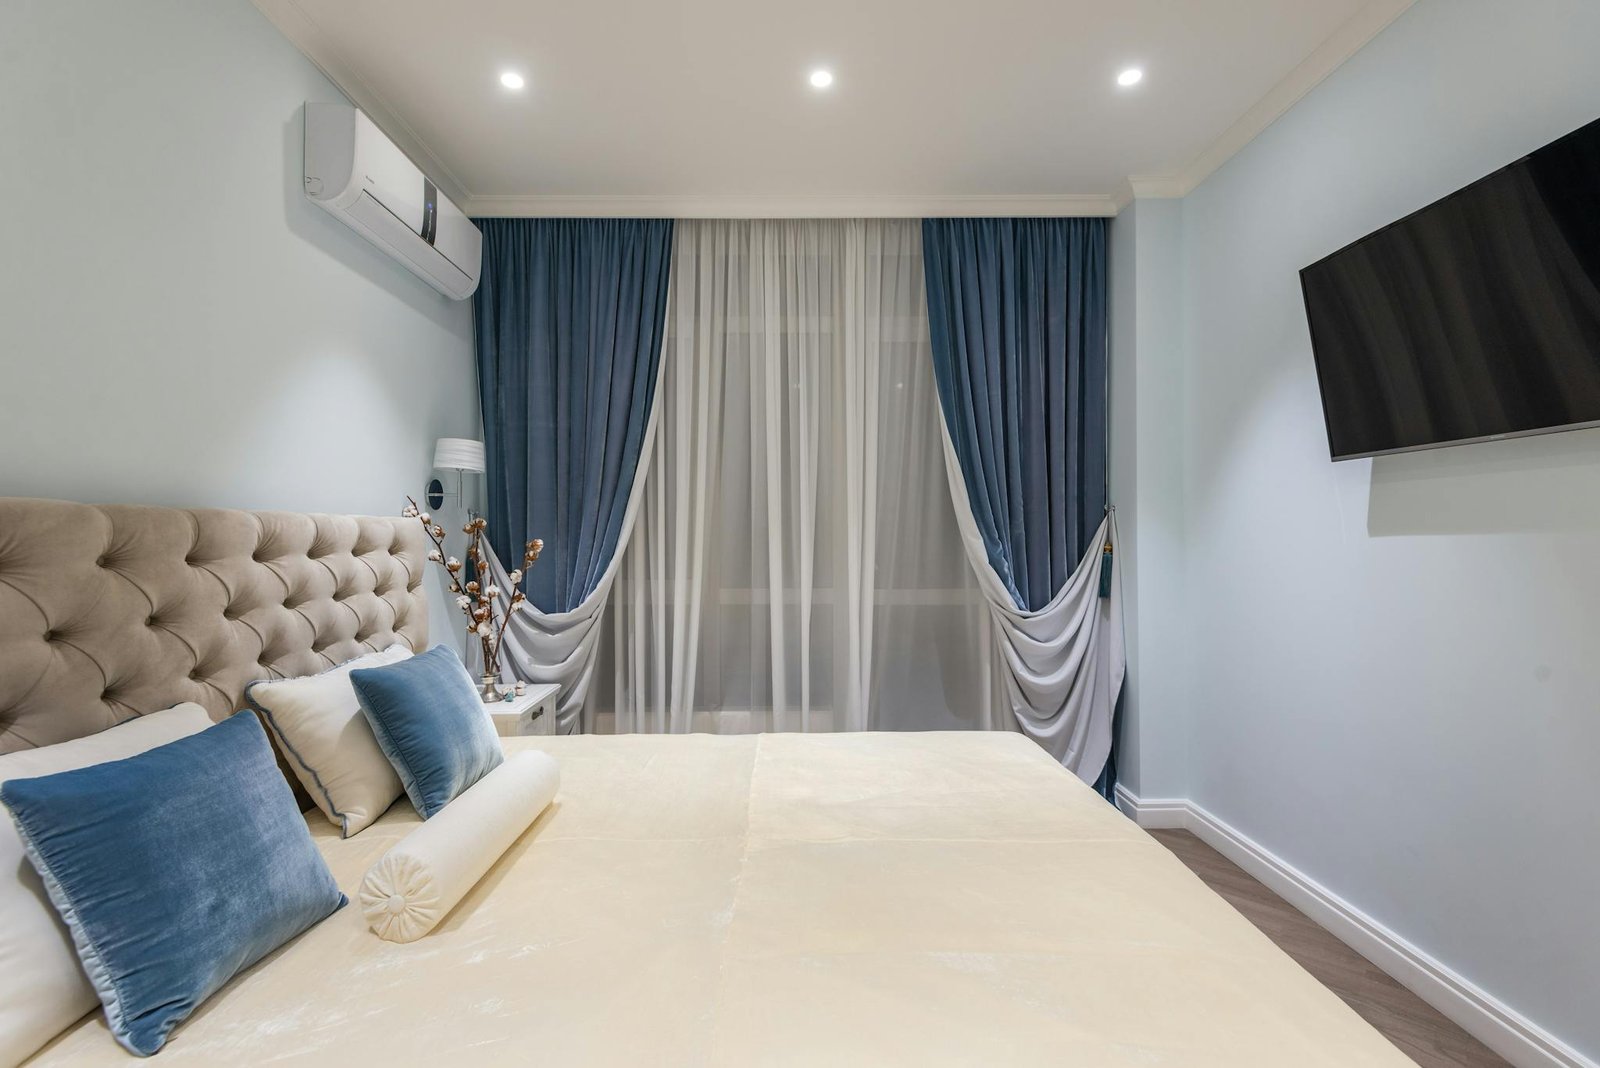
{"x": 702, "y": 107}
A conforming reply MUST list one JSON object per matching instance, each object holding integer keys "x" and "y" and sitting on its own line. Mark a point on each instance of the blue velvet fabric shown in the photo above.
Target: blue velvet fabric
{"x": 1017, "y": 317}
{"x": 430, "y": 723}
{"x": 174, "y": 870}
{"x": 569, "y": 319}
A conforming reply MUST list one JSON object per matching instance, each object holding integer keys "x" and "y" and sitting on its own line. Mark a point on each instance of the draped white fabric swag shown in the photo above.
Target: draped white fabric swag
{"x": 1063, "y": 665}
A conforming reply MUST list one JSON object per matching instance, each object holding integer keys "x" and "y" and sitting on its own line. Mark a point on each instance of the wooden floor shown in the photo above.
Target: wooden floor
{"x": 1404, "y": 1019}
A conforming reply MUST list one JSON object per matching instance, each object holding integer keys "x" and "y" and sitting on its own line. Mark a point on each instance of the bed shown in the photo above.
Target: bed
{"x": 872, "y": 899}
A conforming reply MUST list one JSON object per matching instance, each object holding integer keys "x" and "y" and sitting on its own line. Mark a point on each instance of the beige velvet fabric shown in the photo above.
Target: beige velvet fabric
{"x": 855, "y": 899}
{"x": 108, "y": 612}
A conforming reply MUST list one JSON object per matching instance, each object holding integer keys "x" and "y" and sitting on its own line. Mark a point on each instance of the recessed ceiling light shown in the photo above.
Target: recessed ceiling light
{"x": 821, "y": 79}
{"x": 1131, "y": 76}
{"x": 511, "y": 80}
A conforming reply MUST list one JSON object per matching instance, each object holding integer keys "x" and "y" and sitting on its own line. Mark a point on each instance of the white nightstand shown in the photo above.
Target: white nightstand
{"x": 531, "y": 713}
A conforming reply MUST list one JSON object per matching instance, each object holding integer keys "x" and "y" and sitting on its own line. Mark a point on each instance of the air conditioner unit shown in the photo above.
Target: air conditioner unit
{"x": 371, "y": 186}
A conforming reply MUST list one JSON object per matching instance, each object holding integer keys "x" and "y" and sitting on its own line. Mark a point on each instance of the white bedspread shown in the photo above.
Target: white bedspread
{"x": 857, "y": 899}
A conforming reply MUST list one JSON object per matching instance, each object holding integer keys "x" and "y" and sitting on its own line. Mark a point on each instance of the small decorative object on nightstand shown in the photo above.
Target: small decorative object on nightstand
{"x": 531, "y": 712}
{"x": 479, "y": 597}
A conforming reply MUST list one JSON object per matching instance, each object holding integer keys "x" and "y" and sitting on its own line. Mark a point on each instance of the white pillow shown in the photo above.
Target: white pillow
{"x": 43, "y": 988}
{"x": 414, "y": 885}
{"x": 329, "y": 743}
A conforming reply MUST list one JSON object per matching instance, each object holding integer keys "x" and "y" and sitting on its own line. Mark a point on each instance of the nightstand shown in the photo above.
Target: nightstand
{"x": 532, "y": 712}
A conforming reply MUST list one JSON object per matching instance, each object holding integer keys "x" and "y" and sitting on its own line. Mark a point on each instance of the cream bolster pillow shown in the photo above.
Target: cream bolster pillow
{"x": 416, "y": 884}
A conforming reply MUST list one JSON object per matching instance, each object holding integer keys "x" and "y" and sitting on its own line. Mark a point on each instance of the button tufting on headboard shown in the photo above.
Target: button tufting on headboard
{"x": 141, "y": 608}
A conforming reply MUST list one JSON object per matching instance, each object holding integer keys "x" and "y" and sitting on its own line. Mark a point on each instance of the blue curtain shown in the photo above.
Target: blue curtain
{"x": 1017, "y": 316}
{"x": 568, "y": 318}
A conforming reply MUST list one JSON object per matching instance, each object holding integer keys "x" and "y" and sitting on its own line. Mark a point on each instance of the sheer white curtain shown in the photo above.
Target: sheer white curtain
{"x": 796, "y": 562}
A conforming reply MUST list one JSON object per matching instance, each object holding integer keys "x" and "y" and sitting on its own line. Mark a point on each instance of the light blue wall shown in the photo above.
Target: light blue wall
{"x": 1123, "y": 462}
{"x": 1394, "y": 665}
{"x": 181, "y": 326}
{"x": 1147, "y": 491}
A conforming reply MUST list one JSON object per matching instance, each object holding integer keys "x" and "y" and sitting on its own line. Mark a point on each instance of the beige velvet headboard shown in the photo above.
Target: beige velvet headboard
{"x": 109, "y": 612}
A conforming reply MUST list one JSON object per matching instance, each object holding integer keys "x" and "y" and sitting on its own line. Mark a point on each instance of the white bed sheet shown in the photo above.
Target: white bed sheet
{"x": 850, "y": 899}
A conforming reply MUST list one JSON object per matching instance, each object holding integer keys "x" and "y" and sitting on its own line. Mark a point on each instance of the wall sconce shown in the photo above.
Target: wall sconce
{"x": 453, "y": 454}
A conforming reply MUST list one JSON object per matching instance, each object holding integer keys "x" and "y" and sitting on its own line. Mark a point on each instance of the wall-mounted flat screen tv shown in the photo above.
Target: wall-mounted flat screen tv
{"x": 1476, "y": 318}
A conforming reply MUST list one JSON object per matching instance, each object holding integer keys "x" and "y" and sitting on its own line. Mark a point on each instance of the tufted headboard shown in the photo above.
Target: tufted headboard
{"x": 112, "y": 611}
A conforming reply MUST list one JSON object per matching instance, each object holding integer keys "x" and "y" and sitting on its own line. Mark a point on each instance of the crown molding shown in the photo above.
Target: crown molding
{"x": 1311, "y": 72}
{"x": 302, "y": 31}
{"x": 1156, "y": 186}
{"x": 790, "y": 207}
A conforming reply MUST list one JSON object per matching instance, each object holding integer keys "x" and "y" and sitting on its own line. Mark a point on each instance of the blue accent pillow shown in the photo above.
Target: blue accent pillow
{"x": 430, "y": 723}
{"x": 174, "y": 870}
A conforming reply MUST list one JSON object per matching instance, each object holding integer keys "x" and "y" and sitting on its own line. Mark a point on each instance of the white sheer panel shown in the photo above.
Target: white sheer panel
{"x": 796, "y": 563}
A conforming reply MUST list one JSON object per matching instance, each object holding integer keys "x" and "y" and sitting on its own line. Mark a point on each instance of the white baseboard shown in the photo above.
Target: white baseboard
{"x": 1491, "y": 1021}
{"x": 1155, "y": 813}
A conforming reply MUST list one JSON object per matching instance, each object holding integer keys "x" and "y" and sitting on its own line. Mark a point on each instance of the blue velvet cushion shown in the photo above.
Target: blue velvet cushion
{"x": 174, "y": 870}
{"x": 430, "y": 723}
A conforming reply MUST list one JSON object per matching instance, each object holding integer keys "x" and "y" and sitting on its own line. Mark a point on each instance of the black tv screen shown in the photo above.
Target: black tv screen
{"x": 1477, "y": 317}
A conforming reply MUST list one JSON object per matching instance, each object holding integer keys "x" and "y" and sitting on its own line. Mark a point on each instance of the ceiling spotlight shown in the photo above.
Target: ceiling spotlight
{"x": 1131, "y": 76}
{"x": 821, "y": 79}
{"x": 511, "y": 80}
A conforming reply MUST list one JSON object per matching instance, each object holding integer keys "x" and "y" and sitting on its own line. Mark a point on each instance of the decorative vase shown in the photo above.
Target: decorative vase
{"x": 490, "y": 689}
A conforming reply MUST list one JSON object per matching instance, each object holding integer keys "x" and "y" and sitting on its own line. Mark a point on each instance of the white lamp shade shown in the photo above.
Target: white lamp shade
{"x": 458, "y": 454}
